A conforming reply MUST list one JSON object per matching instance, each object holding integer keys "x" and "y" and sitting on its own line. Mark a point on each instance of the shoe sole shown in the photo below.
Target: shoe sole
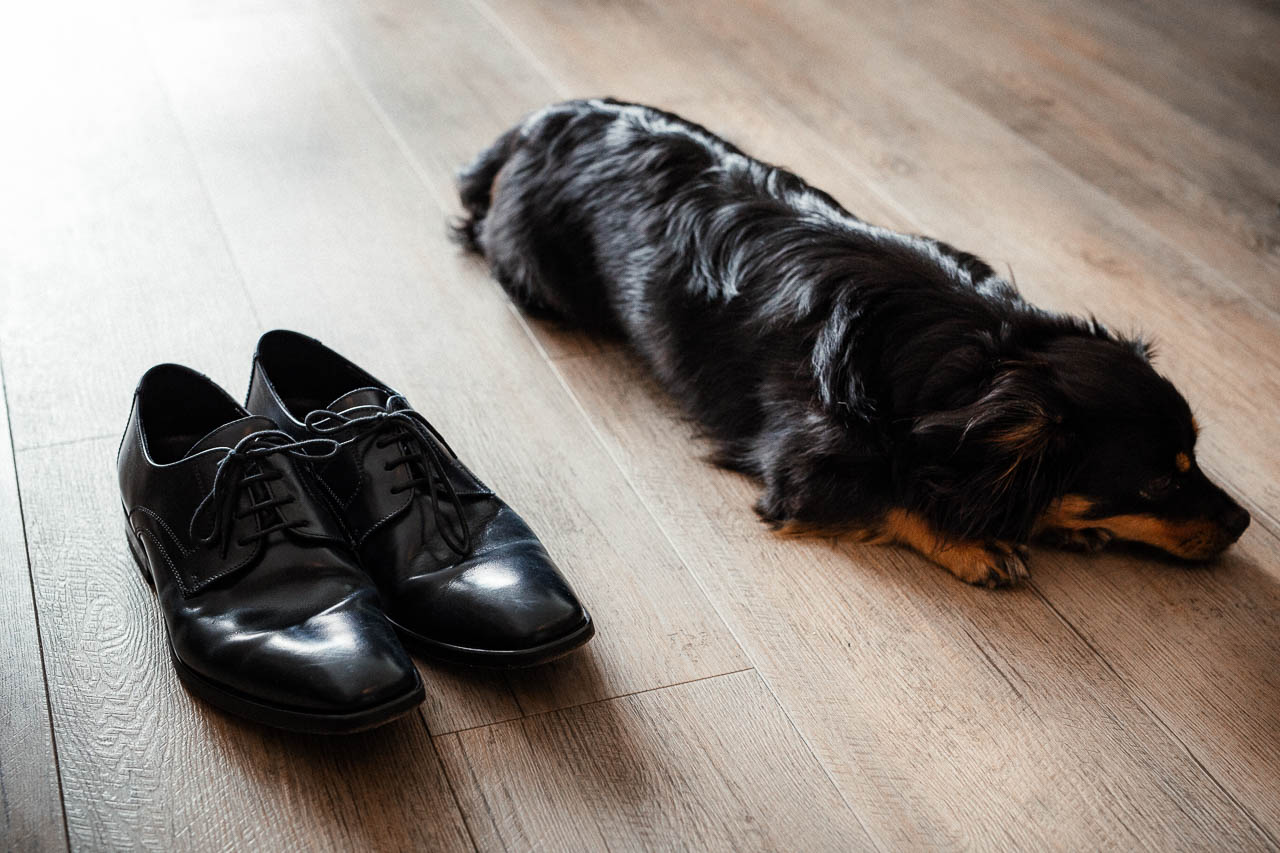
{"x": 276, "y": 716}
{"x": 497, "y": 658}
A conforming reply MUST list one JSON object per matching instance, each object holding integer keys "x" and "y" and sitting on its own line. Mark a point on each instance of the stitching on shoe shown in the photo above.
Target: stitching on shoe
{"x": 307, "y": 479}
{"x": 188, "y": 589}
{"x": 380, "y": 522}
{"x": 167, "y": 529}
{"x": 173, "y": 570}
{"x": 203, "y": 583}
{"x": 336, "y": 500}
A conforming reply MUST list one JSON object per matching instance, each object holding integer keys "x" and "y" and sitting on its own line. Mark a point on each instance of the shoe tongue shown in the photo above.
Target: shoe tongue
{"x": 228, "y": 435}
{"x": 361, "y": 397}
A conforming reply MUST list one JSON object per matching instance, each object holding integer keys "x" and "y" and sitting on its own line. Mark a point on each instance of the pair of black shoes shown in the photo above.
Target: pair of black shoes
{"x": 294, "y": 544}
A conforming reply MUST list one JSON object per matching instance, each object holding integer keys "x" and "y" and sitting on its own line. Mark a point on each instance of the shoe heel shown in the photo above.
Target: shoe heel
{"x": 139, "y": 555}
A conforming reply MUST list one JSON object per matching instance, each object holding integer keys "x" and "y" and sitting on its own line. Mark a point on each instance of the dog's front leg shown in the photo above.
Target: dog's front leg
{"x": 989, "y": 563}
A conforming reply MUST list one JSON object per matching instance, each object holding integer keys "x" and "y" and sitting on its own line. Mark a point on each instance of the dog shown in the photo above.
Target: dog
{"x": 879, "y": 384}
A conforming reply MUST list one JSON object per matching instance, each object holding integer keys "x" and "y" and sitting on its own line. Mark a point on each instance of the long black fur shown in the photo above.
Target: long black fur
{"x": 849, "y": 367}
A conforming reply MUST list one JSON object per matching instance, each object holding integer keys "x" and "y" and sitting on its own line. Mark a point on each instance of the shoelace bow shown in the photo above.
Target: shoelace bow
{"x": 398, "y": 422}
{"x": 231, "y": 478}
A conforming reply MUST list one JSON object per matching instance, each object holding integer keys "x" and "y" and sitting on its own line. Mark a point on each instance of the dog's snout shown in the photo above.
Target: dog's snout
{"x": 1235, "y": 520}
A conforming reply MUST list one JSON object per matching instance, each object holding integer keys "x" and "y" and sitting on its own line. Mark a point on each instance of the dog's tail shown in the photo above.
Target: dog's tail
{"x": 476, "y": 186}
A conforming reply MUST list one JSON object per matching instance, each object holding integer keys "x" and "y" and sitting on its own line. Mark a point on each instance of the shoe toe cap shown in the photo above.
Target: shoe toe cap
{"x": 341, "y": 660}
{"x": 507, "y": 598}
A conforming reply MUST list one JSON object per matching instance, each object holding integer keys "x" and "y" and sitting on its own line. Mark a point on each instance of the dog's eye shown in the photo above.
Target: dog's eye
{"x": 1157, "y": 488}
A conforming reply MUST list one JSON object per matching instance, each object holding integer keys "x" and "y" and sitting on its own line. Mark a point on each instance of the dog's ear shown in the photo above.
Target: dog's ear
{"x": 991, "y": 468}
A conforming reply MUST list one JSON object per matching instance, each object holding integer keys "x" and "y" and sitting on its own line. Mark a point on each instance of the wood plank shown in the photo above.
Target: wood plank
{"x": 1224, "y": 79}
{"x": 110, "y": 258}
{"x": 917, "y": 691}
{"x": 1202, "y": 191}
{"x": 711, "y": 765}
{"x": 446, "y": 105}
{"x": 1235, "y": 40}
{"x": 30, "y": 799}
{"x": 1200, "y": 646}
{"x": 336, "y": 235}
{"x": 144, "y": 765}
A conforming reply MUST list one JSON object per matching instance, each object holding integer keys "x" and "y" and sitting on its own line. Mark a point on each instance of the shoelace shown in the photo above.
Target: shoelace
{"x": 397, "y": 422}
{"x": 231, "y": 478}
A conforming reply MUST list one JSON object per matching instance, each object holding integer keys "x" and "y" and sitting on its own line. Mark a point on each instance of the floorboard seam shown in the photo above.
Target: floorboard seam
{"x": 66, "y": 442}
{"x": 1159, "y": 721}
{"x": 475, "y": 781}
{"x": 1193, "y": 258}
{"x": 444, "y": 771}
{"x": 194, "y": 163}
{"x": 495, "y": 20}
{"x": 1202, "y": 271}
{"x": 701, "y": 587}
{"x": 35, "y": 610}
{"x": 1199, "y": 268}
{"x": 601, "y": 701}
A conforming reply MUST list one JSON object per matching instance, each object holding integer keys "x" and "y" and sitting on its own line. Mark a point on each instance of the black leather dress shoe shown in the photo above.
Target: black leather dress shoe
{"x": 462, "y": 576}
{"x": 267, "y": 610}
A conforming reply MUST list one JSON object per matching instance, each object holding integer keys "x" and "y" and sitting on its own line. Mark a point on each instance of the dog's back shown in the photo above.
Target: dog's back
{"x": 716, "y": 266}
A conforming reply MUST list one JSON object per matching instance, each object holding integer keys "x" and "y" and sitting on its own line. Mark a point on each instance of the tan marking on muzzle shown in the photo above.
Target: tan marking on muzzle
{"x": 1187, "y": 538}
{"x": 1192, "y": 539}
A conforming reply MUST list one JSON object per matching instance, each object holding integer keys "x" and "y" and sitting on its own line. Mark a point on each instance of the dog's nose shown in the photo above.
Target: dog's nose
{"x": 1235, "y": 520}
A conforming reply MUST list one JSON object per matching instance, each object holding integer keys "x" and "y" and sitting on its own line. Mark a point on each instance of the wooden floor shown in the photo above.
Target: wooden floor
{"x": 177, "y": 176}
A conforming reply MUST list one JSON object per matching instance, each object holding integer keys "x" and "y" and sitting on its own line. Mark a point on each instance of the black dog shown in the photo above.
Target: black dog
{"x": 876, "y": 382}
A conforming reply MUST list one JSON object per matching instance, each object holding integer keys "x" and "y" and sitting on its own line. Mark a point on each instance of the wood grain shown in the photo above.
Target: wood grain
{"x": 1189, "y": 59}
{"x": 1203, "y": 192}
{"x": 110, "y": 259}
{"x": 710, "y": 765}
{"x": 30, "y": 801}
{"x": 1199, "y": 646}
{"x": 445, "y": 105}
{"x": 337, "y": 235}
{"x": 144, "y": 765}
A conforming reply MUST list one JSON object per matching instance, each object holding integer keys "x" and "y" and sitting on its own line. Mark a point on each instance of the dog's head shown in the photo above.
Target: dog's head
{"x": 1136, "y": 474}
{"x": 1081, "y": 432}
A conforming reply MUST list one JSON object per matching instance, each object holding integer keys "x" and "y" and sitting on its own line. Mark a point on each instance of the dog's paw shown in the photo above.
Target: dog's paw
{"x": 1090, "y": 540}
{"x": 990, "y": 564}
